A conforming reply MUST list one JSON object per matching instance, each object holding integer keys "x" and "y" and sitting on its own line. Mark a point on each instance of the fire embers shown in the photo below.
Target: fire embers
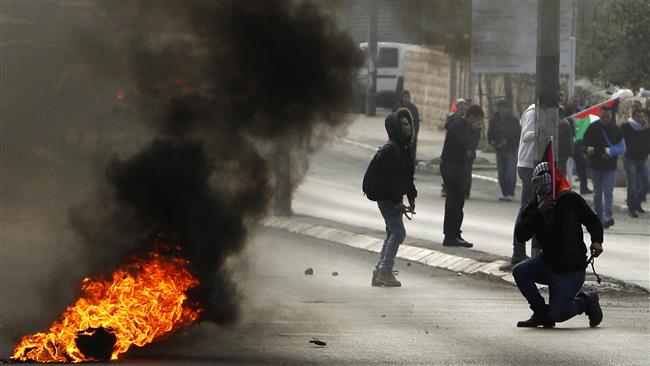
{"x": 143, "y": 301}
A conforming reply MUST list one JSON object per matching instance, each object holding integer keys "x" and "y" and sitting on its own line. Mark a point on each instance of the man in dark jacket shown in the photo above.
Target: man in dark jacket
{"x": 405, "y": 102}
{"x": 556, "y": 223}
{"x": 603, "y": 164}
{"x": 397, "y": 169}
{"x": 458, "y": 150}
{"x": 461, "y": 108}
{"x": 637, "y": 140}
{"x": 503, "y": 135}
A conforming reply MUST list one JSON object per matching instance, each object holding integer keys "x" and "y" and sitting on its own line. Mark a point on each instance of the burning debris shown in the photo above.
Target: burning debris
{"x": 224, "y": 86}
{"x": 143, "y": 301}
{"x": 96, "y": 343}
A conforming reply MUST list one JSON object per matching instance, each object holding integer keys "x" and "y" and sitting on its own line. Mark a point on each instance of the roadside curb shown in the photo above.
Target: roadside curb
{"x": 427, "y": 257}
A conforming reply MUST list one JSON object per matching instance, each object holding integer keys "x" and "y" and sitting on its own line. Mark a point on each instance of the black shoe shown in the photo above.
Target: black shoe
{"x": 640, "y": 209}
{"x": 586, "y": 191}
{"x": 608, "y": 223}
{"x": 374, "y": 281}
{"x": 592, "y": 308}
{"x": 386, "y": 278}
{"x": 456, "y": 242}
{"x": 516, "y": 259}
{"x": 632, "y": 213}
{"x": 535, "y": 321}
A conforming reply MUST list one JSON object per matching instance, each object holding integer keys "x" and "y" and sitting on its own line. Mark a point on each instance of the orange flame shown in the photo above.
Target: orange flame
{"x": 143, "y": 301}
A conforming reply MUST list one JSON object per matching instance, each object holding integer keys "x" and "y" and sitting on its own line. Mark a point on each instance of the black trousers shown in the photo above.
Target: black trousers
{"x": 454, "y": 177}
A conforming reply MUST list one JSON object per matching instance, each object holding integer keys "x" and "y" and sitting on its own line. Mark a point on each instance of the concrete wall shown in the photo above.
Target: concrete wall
{"x": 426, "y": 76}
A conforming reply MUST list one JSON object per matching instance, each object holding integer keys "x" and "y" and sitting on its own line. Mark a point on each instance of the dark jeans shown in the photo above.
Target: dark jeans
{"x": 455, "y": 179}
{"x": 527, "y": 192}
{"x": 604, "y": 181}
{"x": 562, "y": 288}
{"x": 638, "y": 181}
{"x": 507, "y": 171}
{"x": 395, "y": 234}
{"x": 581, "y": 164}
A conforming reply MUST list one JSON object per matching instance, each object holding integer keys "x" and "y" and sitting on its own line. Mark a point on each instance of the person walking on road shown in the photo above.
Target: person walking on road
{"x": 556, "y": 223}
{"x": 395, "y": 180}
{"x": 636, "y": 132}
{"x": 566, "y": 133}
{"x": 581, "y": 166}
{"x": 405, "y": 102}
{"x": 503, "y": 135}
{"x": 525, "y": 164}
{"x": 600, "y": 141}
{"x": 459, "y": 147}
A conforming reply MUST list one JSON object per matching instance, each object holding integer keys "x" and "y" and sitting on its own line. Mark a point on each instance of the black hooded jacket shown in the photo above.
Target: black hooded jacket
{"x": 397, "y": 164}
{"x": 559, "y": 231}
{"x": 460, "y": 143}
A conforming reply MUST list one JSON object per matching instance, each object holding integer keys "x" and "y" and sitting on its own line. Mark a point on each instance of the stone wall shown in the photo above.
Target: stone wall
{"x": 426, "y": 76}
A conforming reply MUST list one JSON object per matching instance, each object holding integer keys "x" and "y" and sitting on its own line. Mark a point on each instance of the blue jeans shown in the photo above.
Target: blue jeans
{"x": 562, "y": 287}
{"x": 638, "y": 181}
{"x": 395, "y": 234}
{"x": 603, "y": 186}
{"x": 507, "y": 171}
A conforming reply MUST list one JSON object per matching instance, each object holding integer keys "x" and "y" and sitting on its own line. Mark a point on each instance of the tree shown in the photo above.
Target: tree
{"x": 624, "y": 44}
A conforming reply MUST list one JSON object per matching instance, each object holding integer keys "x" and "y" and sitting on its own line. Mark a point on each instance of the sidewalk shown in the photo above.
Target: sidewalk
{"x": 462, "y": 261}
{"x": 369, "y": 133}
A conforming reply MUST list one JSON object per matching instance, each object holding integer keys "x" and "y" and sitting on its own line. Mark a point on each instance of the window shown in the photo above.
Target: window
{"x": 388, "y": 57}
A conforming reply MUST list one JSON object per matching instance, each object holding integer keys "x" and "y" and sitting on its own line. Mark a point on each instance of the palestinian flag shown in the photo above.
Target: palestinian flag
{"x": 560, "y": 183}
{"x": 584, "y": 118}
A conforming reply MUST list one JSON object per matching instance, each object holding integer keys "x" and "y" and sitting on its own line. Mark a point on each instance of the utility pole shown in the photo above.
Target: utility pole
{"x": 547, "y": 83}
{"x": 371, "y": 95}
{"x": 453, "y": 78}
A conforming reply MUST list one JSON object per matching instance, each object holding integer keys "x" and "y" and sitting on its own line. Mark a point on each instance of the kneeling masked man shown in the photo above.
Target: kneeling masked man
{"x": 557, "y": 224}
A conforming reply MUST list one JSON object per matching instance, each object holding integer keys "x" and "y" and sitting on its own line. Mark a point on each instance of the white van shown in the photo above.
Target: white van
{"x": 390, "y": 71}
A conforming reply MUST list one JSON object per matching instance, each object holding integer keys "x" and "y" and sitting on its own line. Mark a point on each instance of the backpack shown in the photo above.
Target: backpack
{"x": 374, "y": 187}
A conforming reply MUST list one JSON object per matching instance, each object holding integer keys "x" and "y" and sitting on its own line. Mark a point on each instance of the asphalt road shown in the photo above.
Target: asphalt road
{"x": 332, "y": 190}
{"x": 437, "y": 318}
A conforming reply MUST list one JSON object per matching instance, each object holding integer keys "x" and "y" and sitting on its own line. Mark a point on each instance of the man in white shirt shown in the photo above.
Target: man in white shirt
{"x": 525, "y": 165}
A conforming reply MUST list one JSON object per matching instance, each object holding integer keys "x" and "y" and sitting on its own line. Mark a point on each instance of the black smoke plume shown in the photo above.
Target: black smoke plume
{"x": 222, "y": 86}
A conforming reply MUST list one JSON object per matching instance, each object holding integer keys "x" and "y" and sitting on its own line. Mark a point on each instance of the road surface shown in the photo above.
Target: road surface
{"x": 437, "y": 318}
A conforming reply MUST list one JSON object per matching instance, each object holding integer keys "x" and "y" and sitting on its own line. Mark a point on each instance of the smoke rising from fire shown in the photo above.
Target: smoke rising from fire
{"x": 222, "y": 86}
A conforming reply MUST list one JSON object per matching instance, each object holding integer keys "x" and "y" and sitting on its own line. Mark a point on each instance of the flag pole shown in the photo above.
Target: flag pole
{"x": 553, "y": 167}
